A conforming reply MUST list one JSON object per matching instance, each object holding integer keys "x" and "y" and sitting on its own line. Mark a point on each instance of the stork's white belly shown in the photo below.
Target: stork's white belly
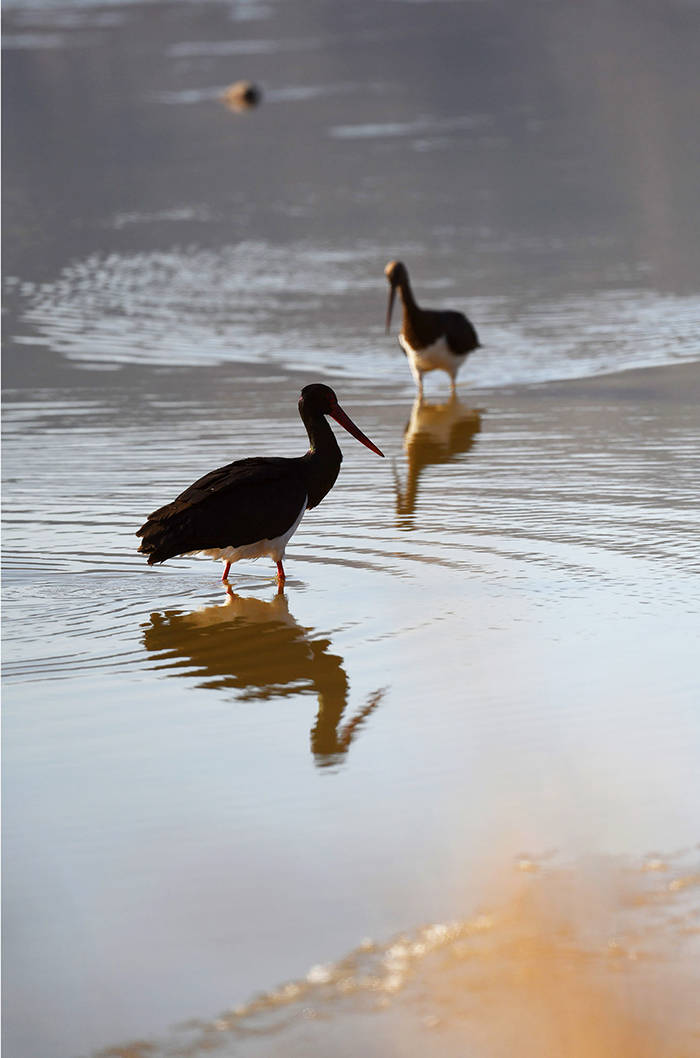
{"x": 435, "y": 357}
{"x": 274, "y": 548}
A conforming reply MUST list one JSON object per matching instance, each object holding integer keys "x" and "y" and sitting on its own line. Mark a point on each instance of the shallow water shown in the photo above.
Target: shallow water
{"x": 486, "y": 647}
{"x": 553, "y": 945}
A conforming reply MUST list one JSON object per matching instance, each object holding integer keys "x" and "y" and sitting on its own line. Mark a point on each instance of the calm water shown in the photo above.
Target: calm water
{"x": 441, "y": 795}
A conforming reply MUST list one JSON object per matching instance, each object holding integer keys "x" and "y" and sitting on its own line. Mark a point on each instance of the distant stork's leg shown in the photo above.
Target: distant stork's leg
{"x": 453, "y": 385}
{"x": 417, "y": 374}
{"x": 225, "y": 576}
{"x": 281, "y": 577}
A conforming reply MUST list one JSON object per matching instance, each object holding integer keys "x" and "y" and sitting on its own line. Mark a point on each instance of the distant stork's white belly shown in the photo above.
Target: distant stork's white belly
{"x": 273, "y": 548}
{"x": 435, "y": 357}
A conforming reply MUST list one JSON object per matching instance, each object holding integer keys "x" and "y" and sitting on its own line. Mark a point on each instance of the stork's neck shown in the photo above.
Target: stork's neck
{"x": 410, "y": 305}
{"x": 323, "y": 458}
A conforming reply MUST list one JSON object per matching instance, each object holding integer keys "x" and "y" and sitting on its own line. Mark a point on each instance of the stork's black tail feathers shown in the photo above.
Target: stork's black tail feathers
{"x": 157, "y": 542}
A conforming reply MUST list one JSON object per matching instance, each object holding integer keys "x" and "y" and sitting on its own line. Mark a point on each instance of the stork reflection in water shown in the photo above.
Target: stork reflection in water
{"x": 258, "y": 649}
{"x": 434, "y": 434}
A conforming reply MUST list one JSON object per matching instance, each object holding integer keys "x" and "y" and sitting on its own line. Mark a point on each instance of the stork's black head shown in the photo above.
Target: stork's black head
{"x": 317, "y": 400}
{"x": 397, "y": 273}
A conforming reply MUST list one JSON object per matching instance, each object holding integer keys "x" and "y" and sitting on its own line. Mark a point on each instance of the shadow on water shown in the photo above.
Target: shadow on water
{"x": 259, "y": 650}
{"x": 434, "y": 434}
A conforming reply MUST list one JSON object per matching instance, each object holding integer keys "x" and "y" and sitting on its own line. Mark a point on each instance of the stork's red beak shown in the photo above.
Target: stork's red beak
{"x": 346, "y": 422}
{"x": 390, "y": 306}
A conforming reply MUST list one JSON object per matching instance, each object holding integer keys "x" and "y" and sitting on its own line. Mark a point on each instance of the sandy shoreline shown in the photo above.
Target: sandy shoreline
{"x": 665, "y": 382}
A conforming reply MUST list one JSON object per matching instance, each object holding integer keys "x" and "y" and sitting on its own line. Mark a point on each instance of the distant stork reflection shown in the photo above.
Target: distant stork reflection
{"x": 256, "y": 648}
{"x": 434, "y": 434}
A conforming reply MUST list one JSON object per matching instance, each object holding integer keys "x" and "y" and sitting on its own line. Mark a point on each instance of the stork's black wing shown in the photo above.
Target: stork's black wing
{"x": 241, "y": 503}
{"x": 424, "y": 327}
{"x": 460, "y": 335}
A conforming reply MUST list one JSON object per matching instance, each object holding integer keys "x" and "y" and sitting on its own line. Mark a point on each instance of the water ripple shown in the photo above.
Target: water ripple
{"x": 257, "y": 303}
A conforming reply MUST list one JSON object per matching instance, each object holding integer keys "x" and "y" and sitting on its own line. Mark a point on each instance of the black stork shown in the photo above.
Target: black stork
{"x": 252, "y": 507}
{"x": 432, "y": 339}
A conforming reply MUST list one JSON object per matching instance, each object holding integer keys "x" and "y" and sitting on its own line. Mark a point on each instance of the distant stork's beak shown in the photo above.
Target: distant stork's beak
{"x": 346, "y": 422}
{"x": 390, "y": 306}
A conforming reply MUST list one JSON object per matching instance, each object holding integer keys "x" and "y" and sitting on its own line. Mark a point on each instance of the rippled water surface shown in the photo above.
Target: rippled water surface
{"x": 440, "y": 795}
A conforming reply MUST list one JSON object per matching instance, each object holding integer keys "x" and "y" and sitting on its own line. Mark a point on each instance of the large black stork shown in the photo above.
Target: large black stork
{"x": 432, "y": 339}
{"x": 252, "y": 507}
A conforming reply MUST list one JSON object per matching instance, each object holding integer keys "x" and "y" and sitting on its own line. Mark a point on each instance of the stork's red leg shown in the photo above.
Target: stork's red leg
{"x": 281, "y": 578}
{"x": 227, "y": 568}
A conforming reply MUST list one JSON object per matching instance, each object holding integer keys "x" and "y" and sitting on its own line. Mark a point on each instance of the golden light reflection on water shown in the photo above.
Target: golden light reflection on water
{"x": 257, "y": 648}
{"x": 434, "y": 434}
{"x": 597, "y": 961}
